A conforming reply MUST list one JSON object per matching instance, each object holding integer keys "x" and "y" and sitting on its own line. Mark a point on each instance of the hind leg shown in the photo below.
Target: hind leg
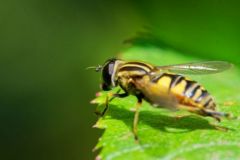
{"x": 216, "y": 115}
{"x": 205, "y": 112}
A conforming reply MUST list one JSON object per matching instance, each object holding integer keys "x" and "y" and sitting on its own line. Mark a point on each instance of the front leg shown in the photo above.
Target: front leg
{"x": 120, "y": 95}
{"x": 117, "y": 94}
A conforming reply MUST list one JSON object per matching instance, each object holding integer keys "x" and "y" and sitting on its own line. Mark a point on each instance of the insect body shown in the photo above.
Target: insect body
{"x": 162, "y": 86}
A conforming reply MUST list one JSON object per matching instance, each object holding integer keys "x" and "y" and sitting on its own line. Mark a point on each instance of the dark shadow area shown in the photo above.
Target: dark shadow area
{"x": 161, "y": 121}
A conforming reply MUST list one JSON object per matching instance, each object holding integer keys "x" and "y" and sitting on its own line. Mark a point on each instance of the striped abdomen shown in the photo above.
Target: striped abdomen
{"x": 188, "y": 92}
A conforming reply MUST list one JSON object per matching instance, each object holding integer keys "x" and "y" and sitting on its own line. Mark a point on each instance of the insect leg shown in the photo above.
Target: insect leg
{"x": 101, "y": 114}
{"x": 136, "y": 116}
{"x": 106, "y": 106}
{"x": 220, "y": 128}
{"x": 206, "y": 112}
{"x": 117, "y": 94}
{"x": 216, "y": 115}
{"x": 122, "y": 95}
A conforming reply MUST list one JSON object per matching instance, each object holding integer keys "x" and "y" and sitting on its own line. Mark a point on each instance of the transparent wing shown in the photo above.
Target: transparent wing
{"x": 206, "y": 67}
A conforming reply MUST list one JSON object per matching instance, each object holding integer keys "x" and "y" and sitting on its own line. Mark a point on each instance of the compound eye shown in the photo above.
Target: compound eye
{"x": 107, "y": 73}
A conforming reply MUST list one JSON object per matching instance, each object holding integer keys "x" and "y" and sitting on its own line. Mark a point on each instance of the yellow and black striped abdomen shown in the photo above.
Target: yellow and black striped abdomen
{"x": 186, "y": 91}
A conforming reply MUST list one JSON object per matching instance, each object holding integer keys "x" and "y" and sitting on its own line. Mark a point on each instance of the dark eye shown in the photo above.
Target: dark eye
{"x": 107, "y": 73}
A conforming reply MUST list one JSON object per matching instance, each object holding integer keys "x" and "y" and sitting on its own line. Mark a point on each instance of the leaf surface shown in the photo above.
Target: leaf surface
{"x": 162, "y": 134}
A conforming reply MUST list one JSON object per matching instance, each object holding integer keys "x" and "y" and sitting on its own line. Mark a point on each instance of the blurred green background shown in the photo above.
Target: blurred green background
{"x": 45, "y": 47}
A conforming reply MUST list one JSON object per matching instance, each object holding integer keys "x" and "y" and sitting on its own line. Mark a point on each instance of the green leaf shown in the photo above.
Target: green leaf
{"x": 161, "y": 134}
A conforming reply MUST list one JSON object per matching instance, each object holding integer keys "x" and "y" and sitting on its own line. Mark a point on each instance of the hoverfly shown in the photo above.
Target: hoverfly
{"x": 162, "y": 86}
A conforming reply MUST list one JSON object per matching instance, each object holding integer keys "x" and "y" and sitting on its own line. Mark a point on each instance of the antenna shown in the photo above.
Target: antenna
{"x": 97, "y": 68}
